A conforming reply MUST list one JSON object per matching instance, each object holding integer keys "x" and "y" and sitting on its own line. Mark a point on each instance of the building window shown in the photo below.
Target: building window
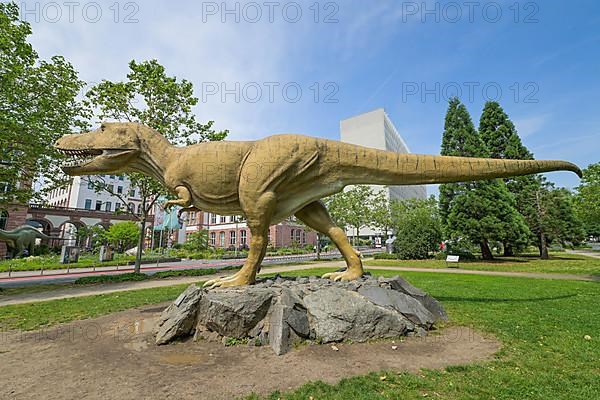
{"x": 120, "y": 189}
{"x": 298, "y": 232}
{"x": 269, "y": 237}
{"x": 117, "y": 206}
{"x": 98, "y": 205}
{"x": 213, "y": 218}
{"x": 112, "y": 177}
{"x": 131, "y": 207}
{"x": 88, "y": 204}
{"x": 3, "y": 219}
{"x": 121, "y": 177}
{"x": 213, "y": 239}
{"x": 243, "y": 237}
{"x": 131, "y": 192}
{"x": 222, "y": 239}
{"x": 292, "y": 235}
{"x": 107, "y": 206}
{"x": 90, "y": 185}
{"x": 232, "y": 238}
{"x": 139, "y": 209}
{"x": 222, "y": 219}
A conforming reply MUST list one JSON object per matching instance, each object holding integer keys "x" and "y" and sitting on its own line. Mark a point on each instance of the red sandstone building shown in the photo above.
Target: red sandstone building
{"x": 225, "y": 232}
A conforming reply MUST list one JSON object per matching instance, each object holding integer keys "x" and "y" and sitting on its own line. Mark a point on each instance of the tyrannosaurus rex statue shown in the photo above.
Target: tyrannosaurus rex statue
{"x": 21, "y": 238}
{"x": 270, "y": 179}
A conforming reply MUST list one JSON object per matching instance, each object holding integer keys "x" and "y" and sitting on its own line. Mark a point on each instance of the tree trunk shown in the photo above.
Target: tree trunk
{"x": 486, "y": 253}
{"x": 140, "y": 247}
{"x": 543, "y": 247}
{"x": 318, "y": 246}
{"x": 508, "y": 250}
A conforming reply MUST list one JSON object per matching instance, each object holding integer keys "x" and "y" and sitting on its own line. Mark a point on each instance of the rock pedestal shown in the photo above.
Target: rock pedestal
{"x": 283, "y": 311}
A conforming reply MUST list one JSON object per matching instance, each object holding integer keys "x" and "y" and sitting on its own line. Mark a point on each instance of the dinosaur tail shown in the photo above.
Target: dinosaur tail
{"x": 362, "y": 165}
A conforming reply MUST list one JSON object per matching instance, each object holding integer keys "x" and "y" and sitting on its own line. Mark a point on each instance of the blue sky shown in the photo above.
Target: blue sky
{"x": 540, "y": 60}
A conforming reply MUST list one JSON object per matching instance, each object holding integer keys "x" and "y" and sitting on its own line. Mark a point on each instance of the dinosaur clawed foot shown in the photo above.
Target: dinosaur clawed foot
{"x": 347, "y": 275}
{"x": 229, "y": 281}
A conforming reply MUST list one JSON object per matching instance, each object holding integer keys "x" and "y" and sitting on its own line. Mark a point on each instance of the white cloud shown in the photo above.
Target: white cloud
{"x": 176, "y": 36}
{"x": 528, "y": 126}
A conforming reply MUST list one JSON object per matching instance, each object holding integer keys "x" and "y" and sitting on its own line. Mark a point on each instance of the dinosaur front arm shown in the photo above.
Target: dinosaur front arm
{"x": 184, "y": 198}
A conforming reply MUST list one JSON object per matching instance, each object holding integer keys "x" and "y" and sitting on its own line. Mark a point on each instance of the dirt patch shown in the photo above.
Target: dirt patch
{"x": 114, "y": 357}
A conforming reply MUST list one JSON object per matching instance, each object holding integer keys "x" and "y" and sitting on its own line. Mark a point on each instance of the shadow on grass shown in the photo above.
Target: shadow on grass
{"x": 501, "y": 300}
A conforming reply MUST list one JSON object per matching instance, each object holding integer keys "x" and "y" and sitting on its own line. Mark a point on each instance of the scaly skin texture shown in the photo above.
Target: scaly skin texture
{"x": 21, "y": 238}
{"x": 270, "y": 179}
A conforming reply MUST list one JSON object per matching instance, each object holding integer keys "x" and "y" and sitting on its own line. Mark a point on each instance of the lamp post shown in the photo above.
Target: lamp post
{"x": 236, "y": 235}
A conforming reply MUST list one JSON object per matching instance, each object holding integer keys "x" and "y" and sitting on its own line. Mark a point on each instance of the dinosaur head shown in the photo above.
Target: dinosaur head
{"x": 114, "y": 147}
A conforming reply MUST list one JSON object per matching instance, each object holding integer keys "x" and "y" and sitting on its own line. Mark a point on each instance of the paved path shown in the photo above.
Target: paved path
{"x": 30, "y": 278}
{"x": 537, "y": 275}
{"x": 584, "y": 253}
{"x": 71, "y": 292}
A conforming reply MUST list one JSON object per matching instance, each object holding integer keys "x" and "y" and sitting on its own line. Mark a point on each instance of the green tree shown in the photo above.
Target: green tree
{"x": 500, "y": 136}
{"x": 556, "y": 220}
{"x": 587, "y": 201}
{"x": 352, "y": 208}
{"x": 486, "y": 213}
{"x": 382, "y": 213}
{"x": 38, "y": 104}
{"x": 197, "y": 241}
{"x": 153, "y": 98}
{"x": 480, "y": 211}
{"x": 418, "y": 228}
{"x": 123, "y": 234}
{"x": 96, "y": 234}
{"x": 459, "y": 139}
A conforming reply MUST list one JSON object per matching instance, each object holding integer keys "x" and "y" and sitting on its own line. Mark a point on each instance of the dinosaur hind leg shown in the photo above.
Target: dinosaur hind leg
{"x": 258, "y": 222}
{"x": 315, "y": 215}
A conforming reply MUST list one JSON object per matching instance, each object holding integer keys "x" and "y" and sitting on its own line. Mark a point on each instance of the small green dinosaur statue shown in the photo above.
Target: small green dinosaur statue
{"x": 21, "y": 238}
{"x": 270, "y": 179}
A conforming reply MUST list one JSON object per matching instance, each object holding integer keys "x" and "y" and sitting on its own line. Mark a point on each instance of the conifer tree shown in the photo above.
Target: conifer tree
{"x": 502, "y": 141}
{"x": 481, "y": 211}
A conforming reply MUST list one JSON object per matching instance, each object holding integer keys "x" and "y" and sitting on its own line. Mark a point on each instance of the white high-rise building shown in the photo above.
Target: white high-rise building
{"x": 81, "y": 194}
{"x": 375, "y": 129}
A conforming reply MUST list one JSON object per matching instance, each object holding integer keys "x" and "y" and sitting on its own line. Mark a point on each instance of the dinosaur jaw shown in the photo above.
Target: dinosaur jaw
{"x": 96, "y": 161}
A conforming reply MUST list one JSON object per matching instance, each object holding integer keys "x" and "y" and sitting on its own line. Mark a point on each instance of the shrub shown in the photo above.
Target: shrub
{"x": 418, "y": 229}
{"x": 385, "y": 256}
{"x": 197, "y": 241}
{"x": 185, "y": 272}
{"x": 132, "y": 276}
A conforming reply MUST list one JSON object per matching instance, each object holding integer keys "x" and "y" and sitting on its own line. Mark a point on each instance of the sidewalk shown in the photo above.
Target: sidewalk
{"x": 59, "y": 276}
{"x": 72, "y": 292}
{"x": 535, "y": 275}
{"x": 584, "y": 253}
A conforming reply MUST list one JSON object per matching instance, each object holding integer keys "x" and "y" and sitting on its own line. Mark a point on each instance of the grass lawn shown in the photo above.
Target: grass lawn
{"x": 114, "y": 278}
{"x": 558, "y": 263}
{"x": 542, "y": 324}
{"x": 43, "y": 314}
